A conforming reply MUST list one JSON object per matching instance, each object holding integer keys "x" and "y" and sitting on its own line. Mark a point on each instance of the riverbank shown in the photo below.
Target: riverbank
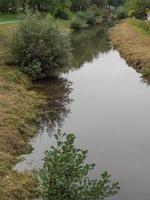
{"x": 133, "y": 44}
{"x": 19, "y": 107}
{"x": 19, "y": 111}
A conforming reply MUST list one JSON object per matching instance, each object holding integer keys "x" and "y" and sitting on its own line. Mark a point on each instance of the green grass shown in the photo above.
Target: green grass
{"x": 19, "y": 111}
{"x": 6, "y": 18}
{"x": 141, "y": 25}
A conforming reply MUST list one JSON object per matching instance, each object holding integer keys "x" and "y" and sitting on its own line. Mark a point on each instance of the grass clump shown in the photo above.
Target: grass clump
{"x": 8, "y": 17}
{"x": 133, "y": 44}
{"x": 142, "y": 25}
{"x": 145, "y": 72}
{"x": 18, "y": 186}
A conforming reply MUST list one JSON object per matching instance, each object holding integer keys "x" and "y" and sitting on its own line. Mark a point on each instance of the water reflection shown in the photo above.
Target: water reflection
{"x": 87, "y": 45}
{"x": 52, "y": 115}
{"x": 57, "y": 108}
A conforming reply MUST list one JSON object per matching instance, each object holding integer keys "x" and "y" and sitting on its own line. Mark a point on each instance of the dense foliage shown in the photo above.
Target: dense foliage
{"x": 39, "y": 47}
{"x": 138, "y": 8}
{"x": 93, "y": 15}
{"x": 121, "y": 12}
{"x": 55, "y": 5}
{"x": 64, "y": 175}
{"x": 67, "y": 9}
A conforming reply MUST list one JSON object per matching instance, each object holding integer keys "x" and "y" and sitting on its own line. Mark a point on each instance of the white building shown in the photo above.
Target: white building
{"x": 148, "y": 16}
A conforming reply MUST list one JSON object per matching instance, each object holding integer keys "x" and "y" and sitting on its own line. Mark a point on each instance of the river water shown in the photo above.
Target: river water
{"x": 106, "y": 104}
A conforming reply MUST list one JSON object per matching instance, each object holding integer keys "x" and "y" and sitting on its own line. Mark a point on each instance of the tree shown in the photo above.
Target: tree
{"x": 64, "y": 175}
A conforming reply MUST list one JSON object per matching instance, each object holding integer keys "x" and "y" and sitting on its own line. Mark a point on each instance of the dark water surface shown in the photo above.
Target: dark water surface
{"x": 107, "y": 104}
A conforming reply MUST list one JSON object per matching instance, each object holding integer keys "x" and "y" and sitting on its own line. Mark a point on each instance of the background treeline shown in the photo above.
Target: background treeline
{"x": 54, "y": 6}
{"x": 133, "y": 9}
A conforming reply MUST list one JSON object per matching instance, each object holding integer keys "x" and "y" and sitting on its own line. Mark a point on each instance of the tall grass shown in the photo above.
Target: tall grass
{"x": 141, "y": 24}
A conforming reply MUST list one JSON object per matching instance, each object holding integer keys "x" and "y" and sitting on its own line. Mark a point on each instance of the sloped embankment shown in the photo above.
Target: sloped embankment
{"x": 132, "y": 43}
{"x": 18, "y": 114}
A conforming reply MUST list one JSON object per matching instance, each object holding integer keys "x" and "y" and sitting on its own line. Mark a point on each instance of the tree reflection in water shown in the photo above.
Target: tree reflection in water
{"x": 57, "y": 107}
{"x": 88, "y": 44}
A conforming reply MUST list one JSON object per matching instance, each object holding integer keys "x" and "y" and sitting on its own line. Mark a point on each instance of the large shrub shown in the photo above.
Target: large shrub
{"x": 39, "y": 47}
{"x": 64, "y": 175}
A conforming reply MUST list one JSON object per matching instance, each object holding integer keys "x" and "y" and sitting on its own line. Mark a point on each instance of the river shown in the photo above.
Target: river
{"x": 106, "y": 104}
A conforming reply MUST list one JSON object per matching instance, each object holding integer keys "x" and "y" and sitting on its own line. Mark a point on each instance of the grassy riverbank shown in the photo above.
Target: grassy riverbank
{"x": 133, "y": 42}
{"x": 19, "y": 112}
{"x": 18, "y": 108}
{"x": 5, "y": 18}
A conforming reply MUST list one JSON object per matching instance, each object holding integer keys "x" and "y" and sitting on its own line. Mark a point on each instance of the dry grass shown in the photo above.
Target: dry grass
{"x": 5, "y": 31}
{"x": 18, "y": 114}
{"x": 133, "y": 44}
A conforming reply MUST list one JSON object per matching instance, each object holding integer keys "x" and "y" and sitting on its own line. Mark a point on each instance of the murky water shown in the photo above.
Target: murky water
{"x": 107, "y": 104}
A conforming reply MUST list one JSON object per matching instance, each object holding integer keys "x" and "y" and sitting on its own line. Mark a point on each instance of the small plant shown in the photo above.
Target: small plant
{"x": 64, "y": 175}
{"x": 14, "y": 77}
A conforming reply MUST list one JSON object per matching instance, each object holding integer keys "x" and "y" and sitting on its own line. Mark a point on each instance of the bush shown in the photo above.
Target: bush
{"x": 63, "y": 14}
{"x": 64, "y": 174}
{"x": 105, "y": 14}
{"x": 131, "y": 13}
{"x": 121, "y": 13}
{"x": 144, "y": 25}
{"x": 39, "y": 48}
{"x": 91, "y": 18}
{"x": 78, "y": 24}
{"x": 81, "y": 15}
{"x": 139, "y": 7}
